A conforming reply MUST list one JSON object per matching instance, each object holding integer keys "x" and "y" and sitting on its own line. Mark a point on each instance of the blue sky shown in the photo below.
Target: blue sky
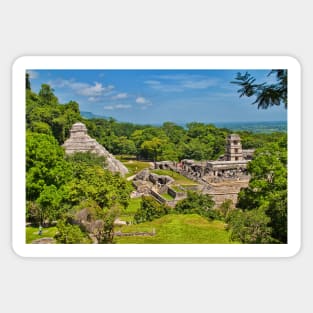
{"x": 156, "y": 96}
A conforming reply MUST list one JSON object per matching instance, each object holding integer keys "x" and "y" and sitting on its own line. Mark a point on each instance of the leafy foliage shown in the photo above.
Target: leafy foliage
{"x": 70, "y": 234}
{"x": 196, "y": 203}
{"x": 267, "y": 190}
{"x": 267, "y": 95}
{"x": 149, "y": 210}
{"x": 249, "y": 226}
{"x": 59, "y": 187}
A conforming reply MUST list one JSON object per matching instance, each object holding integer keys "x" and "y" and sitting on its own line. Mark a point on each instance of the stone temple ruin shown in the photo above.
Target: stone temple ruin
{"x": 147, "y": 183}
{"x": 223, "y": 178}
{"x": 80, "y": 141}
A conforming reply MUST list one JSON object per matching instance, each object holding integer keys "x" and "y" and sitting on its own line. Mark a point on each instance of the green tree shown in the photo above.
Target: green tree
{"x": 267, "y": 190}
{"x": 226, "y": 207}
{"x": 266, "y": 94}
{"x": 174, "y": 132}
{"x": 152, "y": 148}
{"x": 46, "y": 94}
{"x": 86, "y": 158}
{"x": 122, "y": 145}
{"x": 249, "y": 226}
{"x": 49, "y": 203}
{"x": 45, "y": 164}
{"x": 197, "y": 203}
{"x": 149, "y": 210}
{"x": 70, "y": 234}
{"x": 103, "y": 228}
{"x": 28, "y": 87}
{"x": 93, "y": 182}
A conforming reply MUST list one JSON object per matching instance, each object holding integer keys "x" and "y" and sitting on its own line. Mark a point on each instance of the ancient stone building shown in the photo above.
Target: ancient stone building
{"x": 222, "y": 179}
{"x": 80, "y": 141}
{"x": 233, "y": 148}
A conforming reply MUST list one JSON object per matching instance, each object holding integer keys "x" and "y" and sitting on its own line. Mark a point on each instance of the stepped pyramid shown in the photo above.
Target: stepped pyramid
{"x": 80, "y": 141}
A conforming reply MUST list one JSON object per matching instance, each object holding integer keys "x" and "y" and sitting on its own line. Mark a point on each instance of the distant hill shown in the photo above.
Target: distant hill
{"x": 256, "y": 127}
{"x": 90, "y": 115}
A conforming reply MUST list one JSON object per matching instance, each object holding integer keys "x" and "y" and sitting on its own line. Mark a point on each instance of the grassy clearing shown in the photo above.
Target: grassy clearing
{"x": 135, "y": 167}
{"x": 177, "y": 188}
{"x": 32, "y": 233}
{"x": 178, "y": 229}
{"x": 179, "y": 179}
{"x": 167, "y": 196}
{"x": 128, "y": 214}
{"x": 134, "y": 205}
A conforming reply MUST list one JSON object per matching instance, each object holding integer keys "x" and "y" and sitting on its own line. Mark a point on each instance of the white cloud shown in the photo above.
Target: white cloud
{"x": 199, "y": 84}
{"x": 95, "y": 90}
{"x": 152, "y": 82}
{"x": 117, "y": 107}
{"x": 122, "y": 95}
{"x": 141, "y": 100}
{"x": 33, "y": 74}
{"x": 109, "y": 107}
{"x": 123, "y": 106}
{"x": 180, "y": 82}
{"x": 84, "y": 89}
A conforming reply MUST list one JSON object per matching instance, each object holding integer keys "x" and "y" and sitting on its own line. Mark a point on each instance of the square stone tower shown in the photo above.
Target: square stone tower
{"x": 233, "y": 148}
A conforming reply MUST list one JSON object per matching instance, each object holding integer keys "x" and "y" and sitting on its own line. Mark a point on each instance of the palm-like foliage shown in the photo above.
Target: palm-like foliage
{"x": 267, "y": 95}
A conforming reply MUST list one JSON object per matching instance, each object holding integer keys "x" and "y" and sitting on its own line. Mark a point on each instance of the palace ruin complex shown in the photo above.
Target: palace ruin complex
{"x": 223, "y": 178}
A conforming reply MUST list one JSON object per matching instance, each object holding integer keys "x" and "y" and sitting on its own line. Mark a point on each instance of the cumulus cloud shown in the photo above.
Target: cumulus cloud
{"x": 141, "y": 100}
{"x": 84, "y": 89}
{"x": 119, "y": 96}
{"x": 94, "y": 90}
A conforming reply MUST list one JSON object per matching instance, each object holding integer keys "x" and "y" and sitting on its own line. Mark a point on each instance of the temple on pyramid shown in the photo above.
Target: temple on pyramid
{"x": 80, "y": 141}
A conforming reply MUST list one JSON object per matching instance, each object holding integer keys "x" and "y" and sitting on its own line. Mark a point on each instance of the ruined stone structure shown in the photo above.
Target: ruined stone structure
{"x": 147, "y": 183}
{"x": 233, "y": 148}
{"x": 80, "y": 141}
{"x": 222, "y": 179}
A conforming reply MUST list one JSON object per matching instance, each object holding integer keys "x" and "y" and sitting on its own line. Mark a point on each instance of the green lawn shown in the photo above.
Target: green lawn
{"x": 133, "y": 206}
{"x": 32, "y": 233}
{"x": 129, "y": 212}
{"x": 177, "y": 188}
{"x": 178, "y": 229}
{"x": 134, "y": 166}
{"x": 170, "y": 229}
{"x": 179, "y": 179}
{"x": 167, "y": 196}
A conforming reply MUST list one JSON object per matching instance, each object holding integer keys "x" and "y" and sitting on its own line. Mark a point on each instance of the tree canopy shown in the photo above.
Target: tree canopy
{"x": 267, "y": 94}
{"x": 76, "y": 188}
{"x": 265, "y": 199}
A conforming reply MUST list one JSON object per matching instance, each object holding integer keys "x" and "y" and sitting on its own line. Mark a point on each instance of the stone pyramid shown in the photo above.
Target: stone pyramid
{"x": 80, "y": 141}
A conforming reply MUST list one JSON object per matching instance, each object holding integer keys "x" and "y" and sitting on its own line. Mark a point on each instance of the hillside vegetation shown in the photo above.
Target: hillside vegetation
{"x": 68, "y": 191}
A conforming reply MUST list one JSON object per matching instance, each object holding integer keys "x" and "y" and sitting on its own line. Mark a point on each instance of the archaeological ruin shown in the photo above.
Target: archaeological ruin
{"x": 80, "y": 141}
{"x": 222, "y": 178}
